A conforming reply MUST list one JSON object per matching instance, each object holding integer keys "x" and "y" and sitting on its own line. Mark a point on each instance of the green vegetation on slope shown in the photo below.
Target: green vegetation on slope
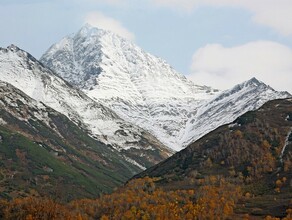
{"x": 31, "y": 167}
{"x": 65, "y": 163}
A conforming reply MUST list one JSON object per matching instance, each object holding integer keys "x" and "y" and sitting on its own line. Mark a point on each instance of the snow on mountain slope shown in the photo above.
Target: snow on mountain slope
{"x": 11, "y": 99}
{"x": 145, "y": 90}
{"x": 20, "y": 69}
{"x": 47, "y": 127}
{"x": 227, "y": 106}
{"x": 51, "y": 144}
{"x": 138, "y": 86}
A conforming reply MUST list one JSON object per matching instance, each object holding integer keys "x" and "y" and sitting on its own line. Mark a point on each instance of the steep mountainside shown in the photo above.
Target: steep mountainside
{"x": 255, "y": 151}
{"x": 145, "y": 90}
{"x": 138, "y": 86}
{"x": 227, "y": 106}
{"x": 137, "y": 146}
{"x": 42, "y": 151}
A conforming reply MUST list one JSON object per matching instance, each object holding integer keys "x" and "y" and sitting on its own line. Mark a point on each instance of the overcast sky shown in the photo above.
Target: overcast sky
{"x": 213, "y": 42}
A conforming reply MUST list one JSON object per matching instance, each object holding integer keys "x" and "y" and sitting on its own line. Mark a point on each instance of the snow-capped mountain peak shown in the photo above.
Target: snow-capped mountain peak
{"x": 88, "y": 31}
{"x": 254, "y": 82}
{"x": 97, "y": 58}
{"x": 13, "y": 47}
{"x": 227, "y": 106}
{"x": 83, "y": 53}
{"x": 144, "y": 89}
{"x": 138, "y": 86}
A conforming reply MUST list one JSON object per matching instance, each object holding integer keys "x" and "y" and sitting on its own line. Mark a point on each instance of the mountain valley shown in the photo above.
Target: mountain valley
{"x": 100, "y": 129}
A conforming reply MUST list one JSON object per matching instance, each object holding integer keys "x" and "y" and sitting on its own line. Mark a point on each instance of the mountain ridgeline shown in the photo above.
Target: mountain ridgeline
{"x": 145, "y": 90}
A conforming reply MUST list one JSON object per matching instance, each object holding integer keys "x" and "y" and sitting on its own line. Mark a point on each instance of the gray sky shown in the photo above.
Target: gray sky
{"x": 213, "y": 42}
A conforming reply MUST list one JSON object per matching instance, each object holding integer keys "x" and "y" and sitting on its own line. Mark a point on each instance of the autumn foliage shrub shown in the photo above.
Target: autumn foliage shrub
{"x": 139, "y": 199}
{"x": 31, "y": 208}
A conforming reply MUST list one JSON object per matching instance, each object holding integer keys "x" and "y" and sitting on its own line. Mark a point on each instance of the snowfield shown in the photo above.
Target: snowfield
{"x": 145, "y": 90}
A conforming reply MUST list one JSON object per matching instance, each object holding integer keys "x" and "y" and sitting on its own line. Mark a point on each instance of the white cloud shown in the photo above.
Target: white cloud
{"x": 223, "y": 67}
{"x": 99, "y": 20}
{"x": 271, "y": 13}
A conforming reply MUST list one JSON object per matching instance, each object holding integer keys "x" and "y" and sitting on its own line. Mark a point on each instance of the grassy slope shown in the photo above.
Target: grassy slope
{"x": 34, "y": 167}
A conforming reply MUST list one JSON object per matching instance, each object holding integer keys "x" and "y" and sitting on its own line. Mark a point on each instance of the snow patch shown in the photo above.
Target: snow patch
{"x": 234, "y": 125}
{"x": 134, "y": 163}
{"x": 2, "y": 122}
{"x": 285, "y": 145}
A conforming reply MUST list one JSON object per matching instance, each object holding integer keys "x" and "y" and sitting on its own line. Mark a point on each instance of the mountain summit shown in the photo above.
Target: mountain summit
{"x": 113, "y": 67}
{"x": 138, "y": 86}
{"x": 145, "y": 89}
{"x": 227, "y": 106}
